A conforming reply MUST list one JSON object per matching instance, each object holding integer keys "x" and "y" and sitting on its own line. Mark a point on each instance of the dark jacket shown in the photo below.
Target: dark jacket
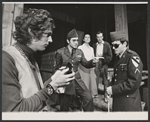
{"x": 63, "y": 56}
{"x": 107, "y": 52}
{"x": 126, "y": 82}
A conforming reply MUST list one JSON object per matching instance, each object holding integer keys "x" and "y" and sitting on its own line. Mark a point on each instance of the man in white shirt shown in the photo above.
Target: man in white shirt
{"x": 103, "y": 51}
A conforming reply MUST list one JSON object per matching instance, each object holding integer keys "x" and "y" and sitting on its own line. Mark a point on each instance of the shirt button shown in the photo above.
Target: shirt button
{"x": 115, "y": 80}
{"x": 115, "y": 74}
{"x": 116, "y": 69}
{"x": 127, "y": 95}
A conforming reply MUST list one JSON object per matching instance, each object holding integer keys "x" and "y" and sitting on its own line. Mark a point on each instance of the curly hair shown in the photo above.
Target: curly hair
{"x": 38, "y": 20}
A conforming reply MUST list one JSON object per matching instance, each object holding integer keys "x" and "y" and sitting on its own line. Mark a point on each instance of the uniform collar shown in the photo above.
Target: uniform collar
{"x": 70, "y": 49}
{"x": 122, "y": 53}
{"x": 120, "y": 58}
{"x": 68, "y": 52}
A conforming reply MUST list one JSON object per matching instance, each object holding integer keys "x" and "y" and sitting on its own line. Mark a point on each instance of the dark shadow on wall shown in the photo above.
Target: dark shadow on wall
{"x": 138, "y": 39}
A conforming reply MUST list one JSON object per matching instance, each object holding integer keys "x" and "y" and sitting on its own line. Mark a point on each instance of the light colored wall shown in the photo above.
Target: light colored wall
{"x": 10, "y": 11}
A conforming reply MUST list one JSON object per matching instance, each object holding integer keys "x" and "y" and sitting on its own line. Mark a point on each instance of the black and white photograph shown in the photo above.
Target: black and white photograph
{"x": 75, "y": 60}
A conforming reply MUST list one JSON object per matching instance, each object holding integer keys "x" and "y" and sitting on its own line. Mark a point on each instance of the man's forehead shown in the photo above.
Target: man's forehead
{"x": 99, "y": 34}
{"x": 74, "y": 38}
{"x": 116, "y": 42}
{"x": 87, "y": 35}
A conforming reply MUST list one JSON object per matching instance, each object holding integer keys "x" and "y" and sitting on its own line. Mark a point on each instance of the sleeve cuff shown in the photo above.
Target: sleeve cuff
{"x": 47, "y": 82}
{"x": 43, "y": 94}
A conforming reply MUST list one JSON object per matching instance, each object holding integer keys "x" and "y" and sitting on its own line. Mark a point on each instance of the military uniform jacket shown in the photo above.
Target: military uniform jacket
{"x": 63, "y": 56}
{"x": 126, "y": 82}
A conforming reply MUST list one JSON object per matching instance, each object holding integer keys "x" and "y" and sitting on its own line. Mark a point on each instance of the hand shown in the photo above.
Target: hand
{"x": 109, "y": 90}
{"x": 95, "y": 60}
{"x": 61, "y": 79}
{"x": 56, "y": 73}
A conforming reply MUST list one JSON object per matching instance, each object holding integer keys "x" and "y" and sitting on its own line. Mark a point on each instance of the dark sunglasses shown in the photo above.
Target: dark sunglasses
{"x": 115, "y": 46}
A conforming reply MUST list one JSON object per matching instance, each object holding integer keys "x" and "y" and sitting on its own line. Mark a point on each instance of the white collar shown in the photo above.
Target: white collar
{"x": 87, "y": 45}
{"x": 100, "y": 43}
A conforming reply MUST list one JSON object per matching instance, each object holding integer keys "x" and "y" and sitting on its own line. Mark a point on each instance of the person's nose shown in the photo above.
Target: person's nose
{"x": 113, "y": 48}
{"x": 50, "y": 39}
{"x": 76, "y": 42}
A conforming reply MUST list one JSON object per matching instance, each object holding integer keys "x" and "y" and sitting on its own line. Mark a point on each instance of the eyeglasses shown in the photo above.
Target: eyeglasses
{"x": 115, "y": 46}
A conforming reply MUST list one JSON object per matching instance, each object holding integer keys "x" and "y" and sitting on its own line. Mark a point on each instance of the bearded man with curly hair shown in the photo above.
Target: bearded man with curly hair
{"x": 22, "y": 85}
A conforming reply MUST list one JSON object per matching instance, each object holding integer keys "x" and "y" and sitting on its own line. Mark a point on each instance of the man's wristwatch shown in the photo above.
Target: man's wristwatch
{"x": 50, "y": 89}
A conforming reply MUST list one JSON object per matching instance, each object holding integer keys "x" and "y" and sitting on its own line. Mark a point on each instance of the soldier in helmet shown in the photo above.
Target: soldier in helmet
{"x": 127, "y": 75}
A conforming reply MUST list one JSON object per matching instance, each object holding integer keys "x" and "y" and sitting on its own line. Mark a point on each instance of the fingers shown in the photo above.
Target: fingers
{"x": 67, "y": 83}
{"x": 70, "y": 75}
{"x": 63, "y": 67}
{"x": 107, "y": 91}
{"x": 65, "y": 70}
{"x": 62, "y": 70}
{"x": 70, "y": 79}
{"x": 62, "y": 78}
{"x": 108, "y": 94}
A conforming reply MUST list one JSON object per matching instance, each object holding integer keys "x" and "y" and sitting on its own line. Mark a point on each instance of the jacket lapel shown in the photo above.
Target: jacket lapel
{"x": 104, "y": 46}
{"x": 74, "y": 54}
{"x": 67, "y": 52}
{"x": 116, "y": 61}
{"x": 94, "y": 46}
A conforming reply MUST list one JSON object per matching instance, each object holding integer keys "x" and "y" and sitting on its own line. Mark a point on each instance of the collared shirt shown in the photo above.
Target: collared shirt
{"x": 88, "y": 51}
{"x": 122, "y": 53}
{"x": 70, "y": 49}
{"x": 99, "y": 50}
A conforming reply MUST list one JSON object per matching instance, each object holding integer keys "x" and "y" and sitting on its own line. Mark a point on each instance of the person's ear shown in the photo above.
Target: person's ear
{"x": 67, "y": 41}
{"x": 30, "y": 32}
{"x": 124, "y": 44}
{"x": 33, "y": 39}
